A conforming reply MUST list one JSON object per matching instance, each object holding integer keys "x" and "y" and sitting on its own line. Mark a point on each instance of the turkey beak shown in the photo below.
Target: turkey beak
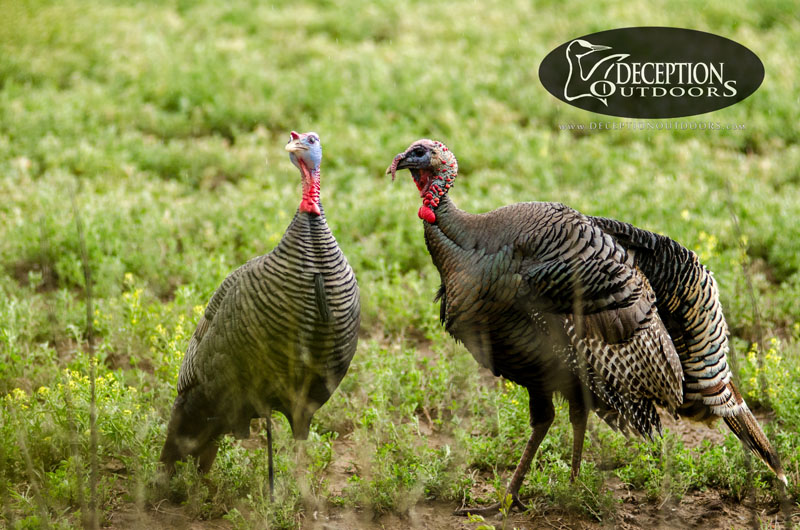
{"x": 599, "y": 47}
{"x": 396, "y": 164}
{"x": 294, "y": 144}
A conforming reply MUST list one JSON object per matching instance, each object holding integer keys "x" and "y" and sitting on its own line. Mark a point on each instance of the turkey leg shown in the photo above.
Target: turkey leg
{"x": 542, "y": 415}
{"x": 578, "y": 415}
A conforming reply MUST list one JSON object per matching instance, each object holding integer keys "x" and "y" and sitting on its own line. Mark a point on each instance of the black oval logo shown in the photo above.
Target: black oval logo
{"x": 651, "y": 72}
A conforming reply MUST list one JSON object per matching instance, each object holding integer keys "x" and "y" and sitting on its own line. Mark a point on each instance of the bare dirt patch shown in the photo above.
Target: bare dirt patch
{"x": 423, "y": 516}
{"x": 344, "y": 464}
{"x": 162, "y": 516}
{"x": 21, "y": 270}
{"x": 699, "y": 509}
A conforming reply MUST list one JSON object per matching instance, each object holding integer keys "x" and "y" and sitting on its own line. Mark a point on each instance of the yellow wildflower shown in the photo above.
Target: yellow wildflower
{"x": 20, "y": 397}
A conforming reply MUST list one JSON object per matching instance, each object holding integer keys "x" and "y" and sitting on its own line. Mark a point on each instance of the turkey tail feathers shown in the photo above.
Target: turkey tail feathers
{"x": 745, "y": 426}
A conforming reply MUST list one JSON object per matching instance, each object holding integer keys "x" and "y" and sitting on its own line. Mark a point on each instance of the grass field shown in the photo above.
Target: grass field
{"x": 161, "y": 125}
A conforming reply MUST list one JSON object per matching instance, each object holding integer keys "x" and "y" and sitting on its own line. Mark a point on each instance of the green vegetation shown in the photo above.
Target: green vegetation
{"x": 152, "y": 122}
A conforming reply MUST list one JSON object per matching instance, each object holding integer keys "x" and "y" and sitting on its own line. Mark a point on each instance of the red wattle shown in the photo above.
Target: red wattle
{"x": 426, "y": 214}
{"x": 310, "y": 200}
{"x": 310, "y": 206}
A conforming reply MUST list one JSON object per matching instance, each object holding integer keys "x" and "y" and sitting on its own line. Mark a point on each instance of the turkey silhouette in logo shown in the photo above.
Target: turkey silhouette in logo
{"x": 576, "y": 51}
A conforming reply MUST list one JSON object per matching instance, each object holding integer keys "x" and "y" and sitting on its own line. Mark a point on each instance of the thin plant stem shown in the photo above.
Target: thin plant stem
{"x": 91, "y": 520}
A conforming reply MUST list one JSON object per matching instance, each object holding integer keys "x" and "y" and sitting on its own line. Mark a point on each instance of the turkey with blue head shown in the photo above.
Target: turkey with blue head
{"x": 277, "y": 335}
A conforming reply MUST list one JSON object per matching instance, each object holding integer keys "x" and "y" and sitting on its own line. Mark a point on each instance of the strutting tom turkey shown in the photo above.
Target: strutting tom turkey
{"x": 615, "y": 318}
{"x": 278, "y": 334}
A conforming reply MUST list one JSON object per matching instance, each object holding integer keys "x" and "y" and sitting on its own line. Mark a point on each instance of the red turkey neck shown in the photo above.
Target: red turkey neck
{"x": 310, "y": 201}
{"x": 435, "y": 191}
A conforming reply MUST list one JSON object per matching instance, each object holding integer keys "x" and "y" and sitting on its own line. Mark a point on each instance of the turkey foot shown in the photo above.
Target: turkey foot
{"x": 494, "y": 509}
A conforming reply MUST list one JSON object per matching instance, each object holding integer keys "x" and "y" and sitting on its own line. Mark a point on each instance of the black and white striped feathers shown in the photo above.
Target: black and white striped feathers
{"x": 278, "y": 334}
{"x": 280, "y": 331}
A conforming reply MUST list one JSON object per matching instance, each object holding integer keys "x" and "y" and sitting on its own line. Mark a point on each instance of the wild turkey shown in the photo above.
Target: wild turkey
{"x": 615, "y": 318}
{"x": 278, "y": 334}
